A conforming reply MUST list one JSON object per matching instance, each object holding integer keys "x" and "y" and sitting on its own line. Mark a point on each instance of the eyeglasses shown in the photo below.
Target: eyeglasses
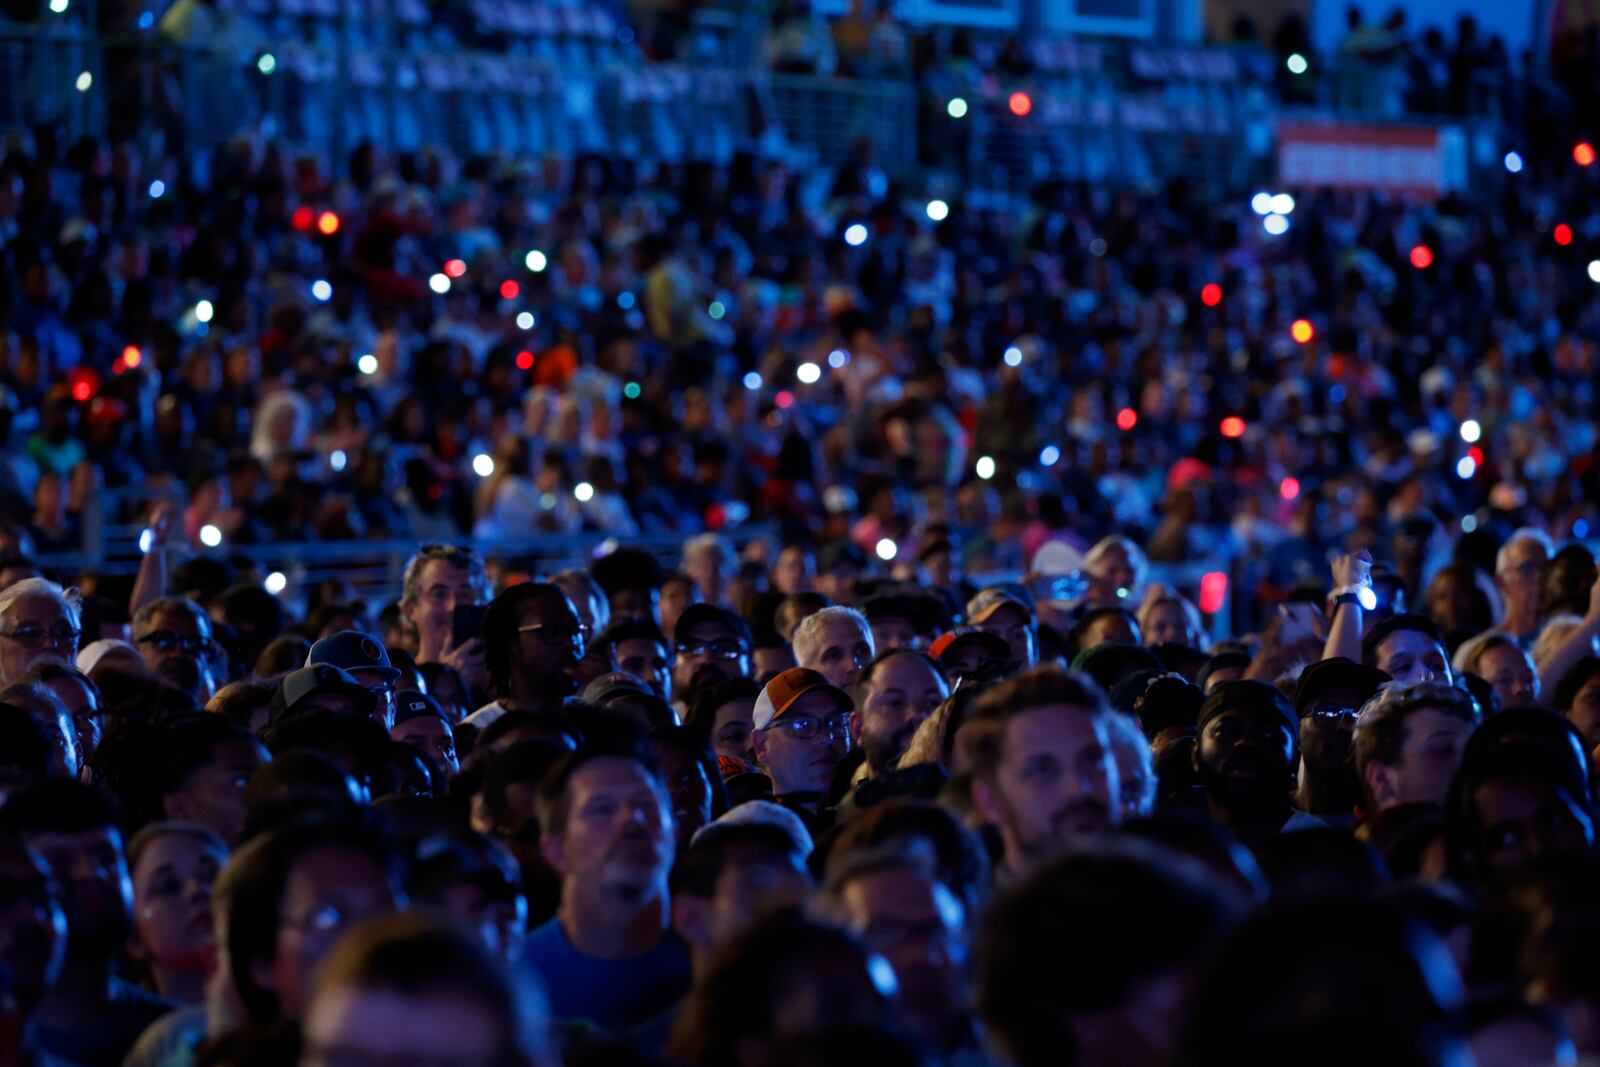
{"x": 166, "y": 641}
{"x": 556, "y": 633}
{"x": 807, "y": 727}
{"x": 38, "y": 638}
{"x": 723, "y": 648}
{"x": 1333, "y": 714}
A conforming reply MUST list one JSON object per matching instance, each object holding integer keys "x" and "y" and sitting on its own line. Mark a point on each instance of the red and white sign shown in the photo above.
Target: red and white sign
{"x": 1402, "y": 158}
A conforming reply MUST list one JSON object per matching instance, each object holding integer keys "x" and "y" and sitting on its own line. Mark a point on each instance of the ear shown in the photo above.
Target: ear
{"x": 855, "y": 728}
{"x": 758, "y": 738}
{"x": 987, "y": 801}
{"x": 690, "y": 919}
{"x": 1379, "y": 781}
{"x": 552, "y": 848}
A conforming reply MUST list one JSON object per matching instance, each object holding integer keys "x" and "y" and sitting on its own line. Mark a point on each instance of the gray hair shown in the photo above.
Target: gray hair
{"x": 1502, "y": 559}
{"x": 70, "y": 599}
{"x": 810, "y": 631}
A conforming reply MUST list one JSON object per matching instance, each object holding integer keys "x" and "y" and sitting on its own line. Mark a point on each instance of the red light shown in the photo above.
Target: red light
{"x": 784, "y": 399}
{"x": 1583, "y": 153}
{"x": 1233, "y": 426}
{"x": 132, "y": 357}
{"x": 524, "y": 360}
{"x": 1422, "y": 257}
{"x": 509, "y": 289}
{"x": 1477, "y": 455}
{"x": 455, "y": 268}
{"x": 1021, "y": 104}
{"x": 1213, "y": 591}
{"x": 328, "y": 223}
{"x": 1563, "y": 234}
{"x": 1127, "y": 419}
{"x": 1289, "y": 488}
{"x": 1302, "y": 331}
{"x": 1211, "y": 295}
{"x": 302, "y": 218}
{"x": 82, "y": 390}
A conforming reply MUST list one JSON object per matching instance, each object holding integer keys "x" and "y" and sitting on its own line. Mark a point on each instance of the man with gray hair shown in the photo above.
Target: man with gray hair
{"x": 39, "y": 623}
{"x": 709, "y": 559}
{"x": 1517, "y": 570}
{"x": 173, "y": 634}
{"x": 837, "y": 643}
{"x": 438, "y": 579}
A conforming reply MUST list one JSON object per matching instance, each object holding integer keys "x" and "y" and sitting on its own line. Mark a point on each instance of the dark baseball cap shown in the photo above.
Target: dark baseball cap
{"x": 697, "y": 614}
{"x": 352, "y": 650}
{"x": 611, "y": 684}
{"x": 1337, "y": 675}
{"x": 1250, "y": 696}
{"x": 409, "y": 704}
{"x": 299, "y": 686}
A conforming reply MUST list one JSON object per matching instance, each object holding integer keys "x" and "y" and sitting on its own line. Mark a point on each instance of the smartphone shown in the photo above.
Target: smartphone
{"x": 466, "y": 622}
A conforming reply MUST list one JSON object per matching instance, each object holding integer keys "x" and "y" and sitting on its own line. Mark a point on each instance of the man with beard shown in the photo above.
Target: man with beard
{"x": 532, "y": 642}
{"x": 172, "y": 633}
{"x": 897, "y": 692}
{"x": 800, "y": 728}
{"x": 609, "y": 955}
{"x": 1043, "y": 772}
{"x": 1327, "y": 698}
{"x": 91, "y": 1016}
{"x": 1245, "y": 760}
{"x": 712, "y": 645}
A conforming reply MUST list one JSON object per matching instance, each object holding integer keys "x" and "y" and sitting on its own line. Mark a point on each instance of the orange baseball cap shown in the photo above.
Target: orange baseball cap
{"x": 786, "y": 687}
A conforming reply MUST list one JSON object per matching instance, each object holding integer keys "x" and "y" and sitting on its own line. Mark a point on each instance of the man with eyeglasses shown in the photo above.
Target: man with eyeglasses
{"x": 1327, "y": 698}
{"x": 172, "y": 633}
{"x": 39, "y": 623}
{"x": 1517, "y": 569}
{"x": 532, "y": 642}
{"x": 366, "y": 661}
{"x": 801, "y": 734}
{"x": 712, "y": 645}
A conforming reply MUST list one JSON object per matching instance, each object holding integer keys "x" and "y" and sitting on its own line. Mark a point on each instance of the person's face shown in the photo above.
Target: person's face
{"x": 645, "y": 659}
{"x": 85, "y": 711}
{"x": 33, "y": 926}
{"x": 1014, "y": 626}
{"x": 1519, "y": 579}
{"x": 96, "y": 891}
{"x": 636, "y": 604}
{"x": 214, "y": 795}
{"x": 172, "y": 902}
{"x": 1246, "y": 756}
{"x": 1522, "y": 820}
{"x": 915, "y": 923}
{"x": 1410, "y": 656}
{"x": 1055, "y": 782}
{"x": 1225, "y": 674}
{"x": 893, "y": 632}
{"x": 802, "y": 747}
{"x": 905, "y": 691}
{"x": 1585, "y": 712}
{"x": 754, "y": 882}
{"x": 768, "y": 663}
{"x": 688, "y": 790}
{"x": 731, "y": 729}
{"x": 1136, "y": 778}
{"x": 619, "y": 833}
{"x": 174, "y": 646}
{"x": 1510, "y": 675}
{"x": 498, "y": 922}
{"x": 839, "y": 584}
{"x": 429, "y": 735}
{"x": 549, "y": 642}
{"x": 382, "y": 689}
{"x": 841, "y": 649}
{"x": 713, "y": 648}
{"x": 1166, "y": 624}
{"x": 1451, "y": 602}
{"x": 795, "y": 572}
{"x": 35, "y": 630}
{"x": 349, "y": 1025}
{"x": 1429, "y": 757}
{"x": 328, "y": 890}
{"x": 676, "y": 596}
{"x": 444, "y": 585}
{"x": 1113, "y": 572}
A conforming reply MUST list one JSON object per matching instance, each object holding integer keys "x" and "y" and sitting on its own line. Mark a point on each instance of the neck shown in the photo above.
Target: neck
{"x": 78, "y": 995}
{"x": 1325, "y": 792}
{"x": 530, "y": 694}
{"x": 1251, "y": 822}
{"x": 604, "y": 923}
{"x": 187, "y": 986}
{"x": 1520, "y": 623}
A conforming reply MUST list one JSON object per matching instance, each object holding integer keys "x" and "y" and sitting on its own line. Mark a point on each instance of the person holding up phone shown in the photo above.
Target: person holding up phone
{"x": 438, "y": 580}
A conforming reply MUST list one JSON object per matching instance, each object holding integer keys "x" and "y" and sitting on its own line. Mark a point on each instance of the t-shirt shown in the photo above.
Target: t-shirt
{"x": 105, "y": 1043}
{"x": 616, "y": 995}
{"x": 484, "y": 715}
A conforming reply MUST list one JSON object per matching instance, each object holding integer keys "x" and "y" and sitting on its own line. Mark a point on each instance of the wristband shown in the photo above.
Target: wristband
{"x": 1346, "y": 598}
